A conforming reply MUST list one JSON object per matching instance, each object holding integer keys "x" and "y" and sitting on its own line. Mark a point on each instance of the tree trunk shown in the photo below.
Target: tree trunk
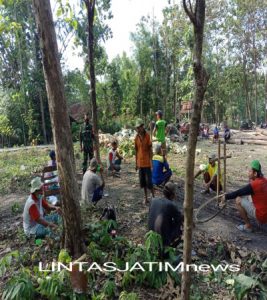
{"x": 42, "y": 115}
{"x": 255, "y": 78}
{"x": 246, "y": 88}
{"x": 197, "y": 17}
{"x": 266, "y": 97}
{"x": 61, "y": 129}
{"x": 90, "y": 5}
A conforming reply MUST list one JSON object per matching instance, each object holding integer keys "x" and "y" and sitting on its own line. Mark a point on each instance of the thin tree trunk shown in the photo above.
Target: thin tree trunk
{"x": 246, "y": 88}
{"x": 42, "y": 115}
{"x": 255, "y": 79}
{"x": 266, "y": 97}
{"x": 90, "y": 5}
{"x": 61, "y": 128}
{"x": 197, "y": 17}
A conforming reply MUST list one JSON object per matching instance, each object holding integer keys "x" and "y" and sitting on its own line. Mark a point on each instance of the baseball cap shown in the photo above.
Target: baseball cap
{"x": 36, "y": 184}
{"x": 255, "y": 165}
{"x": 159, "y": 112}
{"x": 93, "y": 164}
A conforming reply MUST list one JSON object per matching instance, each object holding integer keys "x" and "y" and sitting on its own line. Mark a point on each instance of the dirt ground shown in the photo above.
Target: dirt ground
{"x": 126, "y": 196}
{"x": 124, "y": 193}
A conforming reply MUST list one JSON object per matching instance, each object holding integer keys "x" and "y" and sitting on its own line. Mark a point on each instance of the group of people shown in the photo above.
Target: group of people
{"x": 251, "y": 200}
{"x": 226, "y": 134}
{"x": 164, "y": 215}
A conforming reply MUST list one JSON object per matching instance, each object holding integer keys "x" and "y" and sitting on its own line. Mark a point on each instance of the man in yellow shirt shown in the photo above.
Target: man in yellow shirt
{"x": 210, "y": 173}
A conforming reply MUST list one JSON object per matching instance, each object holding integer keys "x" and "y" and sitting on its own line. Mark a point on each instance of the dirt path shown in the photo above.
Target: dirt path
{"x": 126, "y": 196}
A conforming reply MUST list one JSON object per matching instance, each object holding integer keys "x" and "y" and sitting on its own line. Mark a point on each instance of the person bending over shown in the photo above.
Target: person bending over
{"x": 165, "y": 217}
{"x": 257, "y": 189}
{"x": 210, "y": 173}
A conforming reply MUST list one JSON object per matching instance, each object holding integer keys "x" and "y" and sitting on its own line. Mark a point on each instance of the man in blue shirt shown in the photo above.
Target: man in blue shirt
{"x": 161, "y": 170}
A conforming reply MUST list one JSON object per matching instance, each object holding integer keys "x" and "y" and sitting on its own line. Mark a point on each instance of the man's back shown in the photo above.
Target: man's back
{"x": 161, "y": 127}
{"x": 165, "y": 218}
{"x": 90, "y": 182}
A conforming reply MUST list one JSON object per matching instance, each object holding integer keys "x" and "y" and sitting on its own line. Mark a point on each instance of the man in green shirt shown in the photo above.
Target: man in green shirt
{"x": 160, "y": 130}
{"x": 86, "y": 141}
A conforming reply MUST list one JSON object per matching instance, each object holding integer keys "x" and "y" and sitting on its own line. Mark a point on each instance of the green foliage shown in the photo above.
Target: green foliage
{"x": 109, "y": 288}
{"x": 150, "y": 252}
{"x": 19, "y": 287}
{"x": 5, "y": 262}
{"x": 128, "y": 296}
{"x": 126, "y": 148}
{"x": 64, "y": 256}
{"x": 54, "y": 285}
{"x": 244, "y": 284}
{"x": 18, "y": 167}
{"x": 16, "y": 208}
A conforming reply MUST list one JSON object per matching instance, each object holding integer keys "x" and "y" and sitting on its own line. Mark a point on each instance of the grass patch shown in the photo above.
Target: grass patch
{"x": 18, "y": 167}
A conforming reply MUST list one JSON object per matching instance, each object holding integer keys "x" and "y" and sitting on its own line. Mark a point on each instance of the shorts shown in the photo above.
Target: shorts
{"x": 249, "y": 207}
{"x": 145, "y": 178}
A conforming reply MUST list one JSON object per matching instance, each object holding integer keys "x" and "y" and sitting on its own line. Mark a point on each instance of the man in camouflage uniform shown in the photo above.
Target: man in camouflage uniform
{"x": 86, "y": 141}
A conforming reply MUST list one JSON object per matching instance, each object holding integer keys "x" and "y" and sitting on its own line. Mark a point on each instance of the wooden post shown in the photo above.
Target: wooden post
{"x": 224, "y": 167}
{"x": 219, "y": 168}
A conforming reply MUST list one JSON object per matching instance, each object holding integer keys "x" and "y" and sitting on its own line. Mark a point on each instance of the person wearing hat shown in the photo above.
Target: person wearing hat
{"x": 92, "y": 184}
{"x": 210, "y": 173}
{"x": 160, "y": 130}
{"x": 86, "y": 141}
{"x": 165, "y": 217}
{"x": 34, "y": 221}
{"x": 143, "y": 158}
{"x": 255, "y": 190}
{"x": 161, "y": 170}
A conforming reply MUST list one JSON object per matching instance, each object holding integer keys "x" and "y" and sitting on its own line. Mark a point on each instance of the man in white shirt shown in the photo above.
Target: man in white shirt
{"x": 114, "y": 158}
{"x": 92, "y": 185}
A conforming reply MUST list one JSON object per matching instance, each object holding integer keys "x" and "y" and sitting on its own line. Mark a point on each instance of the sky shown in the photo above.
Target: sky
{"x": 126, "y": 14}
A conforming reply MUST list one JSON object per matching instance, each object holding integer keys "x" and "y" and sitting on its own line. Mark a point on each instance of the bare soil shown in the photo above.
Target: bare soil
{"x": 127, "y": 197}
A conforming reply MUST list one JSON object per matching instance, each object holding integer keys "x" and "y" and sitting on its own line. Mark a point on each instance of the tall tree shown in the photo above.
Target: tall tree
{"x": 90, "y": 6}
{"x": 61, "y": 128}
{"x": 196, "y": 15}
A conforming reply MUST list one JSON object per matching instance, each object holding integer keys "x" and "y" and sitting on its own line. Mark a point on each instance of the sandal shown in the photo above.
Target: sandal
{"x": 243, "y": 228}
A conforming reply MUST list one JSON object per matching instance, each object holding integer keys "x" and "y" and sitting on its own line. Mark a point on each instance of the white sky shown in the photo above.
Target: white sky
{"x": 126, "y": 14}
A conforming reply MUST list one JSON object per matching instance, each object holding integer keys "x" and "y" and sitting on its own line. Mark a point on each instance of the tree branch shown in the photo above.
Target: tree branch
{"x": 189, "y": 12}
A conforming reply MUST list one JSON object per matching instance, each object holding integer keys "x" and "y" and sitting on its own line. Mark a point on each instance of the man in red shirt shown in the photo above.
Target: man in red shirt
{"x": 34, "y": 221}
{"x": 143, "y": 158}
{"x": 257, "y": 189}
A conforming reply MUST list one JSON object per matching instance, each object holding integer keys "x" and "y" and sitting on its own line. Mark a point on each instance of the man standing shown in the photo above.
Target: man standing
{"x": 34, "y": 222}
{"x": 86, "y": 141}
{"x": 257, "y": 189}
{"x": 143, "y": 158}
{"x": 160, "y": 130}
{"x": 210, "y": 173}
{"x": 227, "y": 134}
